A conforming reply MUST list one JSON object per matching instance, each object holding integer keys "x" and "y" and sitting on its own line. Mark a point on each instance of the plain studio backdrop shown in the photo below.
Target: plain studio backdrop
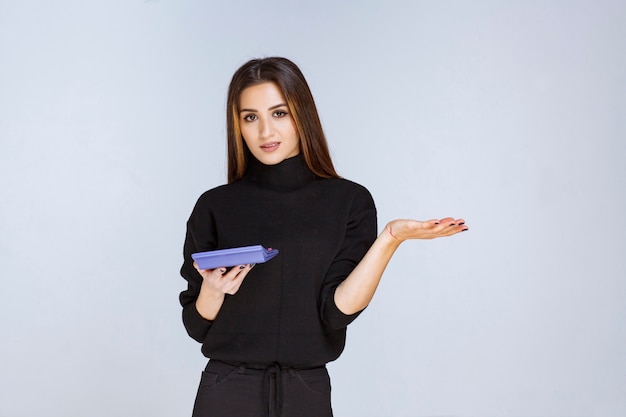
{"x": 509, "y": 114}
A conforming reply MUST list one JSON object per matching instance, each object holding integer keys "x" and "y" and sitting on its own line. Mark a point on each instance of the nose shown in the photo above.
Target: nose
{"x": 266, "y": 128}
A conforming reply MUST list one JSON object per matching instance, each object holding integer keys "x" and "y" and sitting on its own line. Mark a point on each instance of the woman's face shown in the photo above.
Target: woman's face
{"x": 266, "y": 124}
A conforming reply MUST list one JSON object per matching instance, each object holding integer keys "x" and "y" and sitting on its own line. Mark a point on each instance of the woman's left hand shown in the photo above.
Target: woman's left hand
{"x": 403, "y": 229}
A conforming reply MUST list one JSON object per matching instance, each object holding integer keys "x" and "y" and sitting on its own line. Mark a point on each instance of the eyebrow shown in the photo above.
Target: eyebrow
{"x": 271, "y": 108}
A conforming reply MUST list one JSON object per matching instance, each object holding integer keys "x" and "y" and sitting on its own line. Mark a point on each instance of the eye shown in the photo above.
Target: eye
{"x": 280, "y": 113}
{"x": 249, "y": 117}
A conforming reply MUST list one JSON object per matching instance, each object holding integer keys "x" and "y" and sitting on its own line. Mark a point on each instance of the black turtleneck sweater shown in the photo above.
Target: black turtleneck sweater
{"x": 284, "y": 312}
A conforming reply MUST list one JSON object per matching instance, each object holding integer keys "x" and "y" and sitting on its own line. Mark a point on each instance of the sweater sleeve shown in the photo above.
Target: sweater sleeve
{"x": 360, "y": 233}
{"x": 200, "y": 237}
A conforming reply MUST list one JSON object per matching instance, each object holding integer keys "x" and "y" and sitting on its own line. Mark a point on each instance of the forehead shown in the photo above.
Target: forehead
{"x": 261, "y": 96}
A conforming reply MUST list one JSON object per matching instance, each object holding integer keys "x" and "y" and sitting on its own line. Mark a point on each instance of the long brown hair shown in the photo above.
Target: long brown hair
{"x": 289, "y": 79}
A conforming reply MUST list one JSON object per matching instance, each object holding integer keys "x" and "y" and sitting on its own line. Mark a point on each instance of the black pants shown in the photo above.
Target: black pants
{"x": 228, "y": 390}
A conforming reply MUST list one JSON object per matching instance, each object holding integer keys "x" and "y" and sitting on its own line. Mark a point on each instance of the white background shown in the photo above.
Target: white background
{"x": 509, "y": 114}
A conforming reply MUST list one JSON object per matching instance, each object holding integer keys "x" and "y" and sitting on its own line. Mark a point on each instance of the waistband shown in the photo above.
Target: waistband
{"x": 272, "y": 375}
{"x": 262, "y": 367}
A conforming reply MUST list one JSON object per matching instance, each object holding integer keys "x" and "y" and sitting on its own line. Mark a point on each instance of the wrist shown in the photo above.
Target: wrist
{"x": 389, "y": 230}
{"x": 389, "y": 237}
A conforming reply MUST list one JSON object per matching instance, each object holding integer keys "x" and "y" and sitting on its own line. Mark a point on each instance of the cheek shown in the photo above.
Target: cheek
{"x": 246, "y": 133}
{"x": 295, "y": 130}
{"x": 292, "y": 131}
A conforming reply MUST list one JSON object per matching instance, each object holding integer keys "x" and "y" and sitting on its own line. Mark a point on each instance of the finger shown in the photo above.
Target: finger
{"x": 448, "y": 221}
{"x": 213, "y": 275}
{"x": 234, "y": 271}
{"x": 234, "y": 283}
{"x": 223, "y": 281}
{"x": 432, "y": 223}
{"x": 462, "y": 225}
{"x": 446, "y": 226}
{"x": 219, "y": 271}
{"x": 243, "y": 270}
{"x": 451, "y": 226}
{"x": 441, "y": 226}
{"x": 453, "y": 230}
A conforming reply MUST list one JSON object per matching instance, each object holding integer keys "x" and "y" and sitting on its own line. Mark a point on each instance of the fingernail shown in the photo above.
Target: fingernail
{"x": 436, "y": 222}
{"x": 252, "y": 266}
{"x": 461, "y": 223}
{"x": 242, "y": 266}
{"x": 222, "y": 270}
{"x": 451, "y": 224}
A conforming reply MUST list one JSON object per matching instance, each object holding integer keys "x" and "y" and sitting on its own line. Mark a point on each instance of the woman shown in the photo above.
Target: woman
{"x": 269, "y": 330}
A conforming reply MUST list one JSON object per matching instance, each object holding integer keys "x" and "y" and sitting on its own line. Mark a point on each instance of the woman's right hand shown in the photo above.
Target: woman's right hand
{"x": 215, "y": 284}
{"x": 222, "y": 281}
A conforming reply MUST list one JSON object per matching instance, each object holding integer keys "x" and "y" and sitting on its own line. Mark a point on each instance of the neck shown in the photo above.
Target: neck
{"x": 290, "y": 174}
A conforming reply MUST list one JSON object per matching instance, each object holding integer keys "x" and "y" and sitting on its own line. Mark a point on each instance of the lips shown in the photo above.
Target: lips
{"x": 270, "y": 146}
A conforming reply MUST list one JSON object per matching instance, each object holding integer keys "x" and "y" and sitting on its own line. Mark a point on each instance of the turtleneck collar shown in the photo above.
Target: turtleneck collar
{"x": 290, "y": 174}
